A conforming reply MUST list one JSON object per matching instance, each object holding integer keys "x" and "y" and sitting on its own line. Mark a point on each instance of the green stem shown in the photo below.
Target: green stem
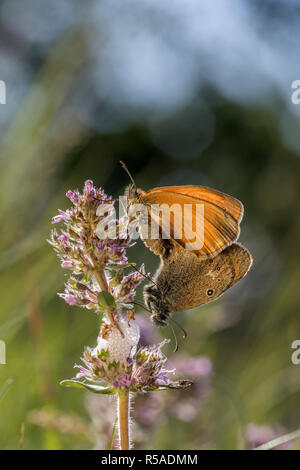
{"x": 102, "y": 281}
{"x": 123, "y": 409}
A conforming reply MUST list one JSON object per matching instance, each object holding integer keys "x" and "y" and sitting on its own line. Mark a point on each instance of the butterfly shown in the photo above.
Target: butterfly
{"x": 172, "y": 213}
{"x": 189, "y": 277}
{"x": 184, "y": 280}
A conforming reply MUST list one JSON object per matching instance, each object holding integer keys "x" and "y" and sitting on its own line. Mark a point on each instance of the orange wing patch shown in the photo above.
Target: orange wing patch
{"x": 229, "y": 204}
{"x": 208, "y": 235}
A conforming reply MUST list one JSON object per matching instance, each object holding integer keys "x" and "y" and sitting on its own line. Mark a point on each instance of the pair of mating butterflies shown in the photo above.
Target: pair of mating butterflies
{"x": 188, "y": 278}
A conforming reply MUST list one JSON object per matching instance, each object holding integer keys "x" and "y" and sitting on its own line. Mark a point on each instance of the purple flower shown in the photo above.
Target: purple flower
{"x": 63, "y": 238}
{"x": 89, "y": 188}
{"x": 63, "y": 215}
{"x": 81, "y": 251}
{"x": 122, "y": 382}
{"x": 117, "y": 361}
{"x": 74, "y": 196}
{"x": 56, "y": 219}
{"x": 162, "y": 377}
{"x": 99, "y": 245}
{"x": 83, "y": 371}
{"x": 67, "y": 264}
{"x": 124, "y": 292}
{"x": 92, "y": 244}
{"x": 70, "y": 299}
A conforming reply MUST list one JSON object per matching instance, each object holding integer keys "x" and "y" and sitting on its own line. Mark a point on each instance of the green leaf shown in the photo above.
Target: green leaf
{"x": 106, "y": 300}
{"x": 86, "y": 386}
{"x": 115, "y": 267}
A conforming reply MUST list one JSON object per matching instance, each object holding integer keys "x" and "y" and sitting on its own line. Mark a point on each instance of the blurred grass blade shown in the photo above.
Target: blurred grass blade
{"x": 279, "y": 441}
{"x": 22, "y": 432}
{"x": 113, "y": 434}
{"x": 5, "y": 388}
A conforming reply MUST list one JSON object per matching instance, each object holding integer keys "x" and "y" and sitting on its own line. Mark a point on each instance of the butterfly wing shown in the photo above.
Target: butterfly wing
{"x": 228, "y": 203}
{"x": 217, "y": 275}
{"x": 195, "y": 218}
{"x": 186, "y": 281}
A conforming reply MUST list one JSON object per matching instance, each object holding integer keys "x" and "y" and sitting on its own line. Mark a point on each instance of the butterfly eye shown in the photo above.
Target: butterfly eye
{"x": 211, "y": 261}
{"x": 210, "y": 292}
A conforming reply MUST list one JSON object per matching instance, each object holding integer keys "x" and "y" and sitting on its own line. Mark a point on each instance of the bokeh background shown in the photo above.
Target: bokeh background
{"x": 185, "y": 92}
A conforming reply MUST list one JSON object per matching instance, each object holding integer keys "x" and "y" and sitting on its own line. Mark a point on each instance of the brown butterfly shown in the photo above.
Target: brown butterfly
{"x": 188, "y": 277}
{"x": 184, "y": 280}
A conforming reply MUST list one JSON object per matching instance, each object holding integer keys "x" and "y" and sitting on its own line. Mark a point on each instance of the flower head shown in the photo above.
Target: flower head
{"x": 119, "y": 362}
{"x": 86, "y": 255}
{"x": 92, "y": 245}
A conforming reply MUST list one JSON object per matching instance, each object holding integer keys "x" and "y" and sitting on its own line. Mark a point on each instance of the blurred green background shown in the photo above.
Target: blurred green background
{"x": 184, "y": 94}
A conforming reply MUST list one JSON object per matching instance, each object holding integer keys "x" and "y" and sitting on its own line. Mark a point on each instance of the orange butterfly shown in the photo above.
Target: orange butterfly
{"x": 207, "y": 236}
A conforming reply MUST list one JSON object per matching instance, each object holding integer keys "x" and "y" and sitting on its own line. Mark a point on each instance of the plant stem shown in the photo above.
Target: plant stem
{"x": 123, "y": 409}
{"x": 102, "y": 281}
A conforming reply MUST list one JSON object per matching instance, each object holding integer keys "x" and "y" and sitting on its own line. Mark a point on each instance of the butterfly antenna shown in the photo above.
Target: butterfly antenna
{"x": 180, "y": 327}
{"x": 145, "y": 276}
{"x": 176, "y": 340}
{"x": 128, "y": 173}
